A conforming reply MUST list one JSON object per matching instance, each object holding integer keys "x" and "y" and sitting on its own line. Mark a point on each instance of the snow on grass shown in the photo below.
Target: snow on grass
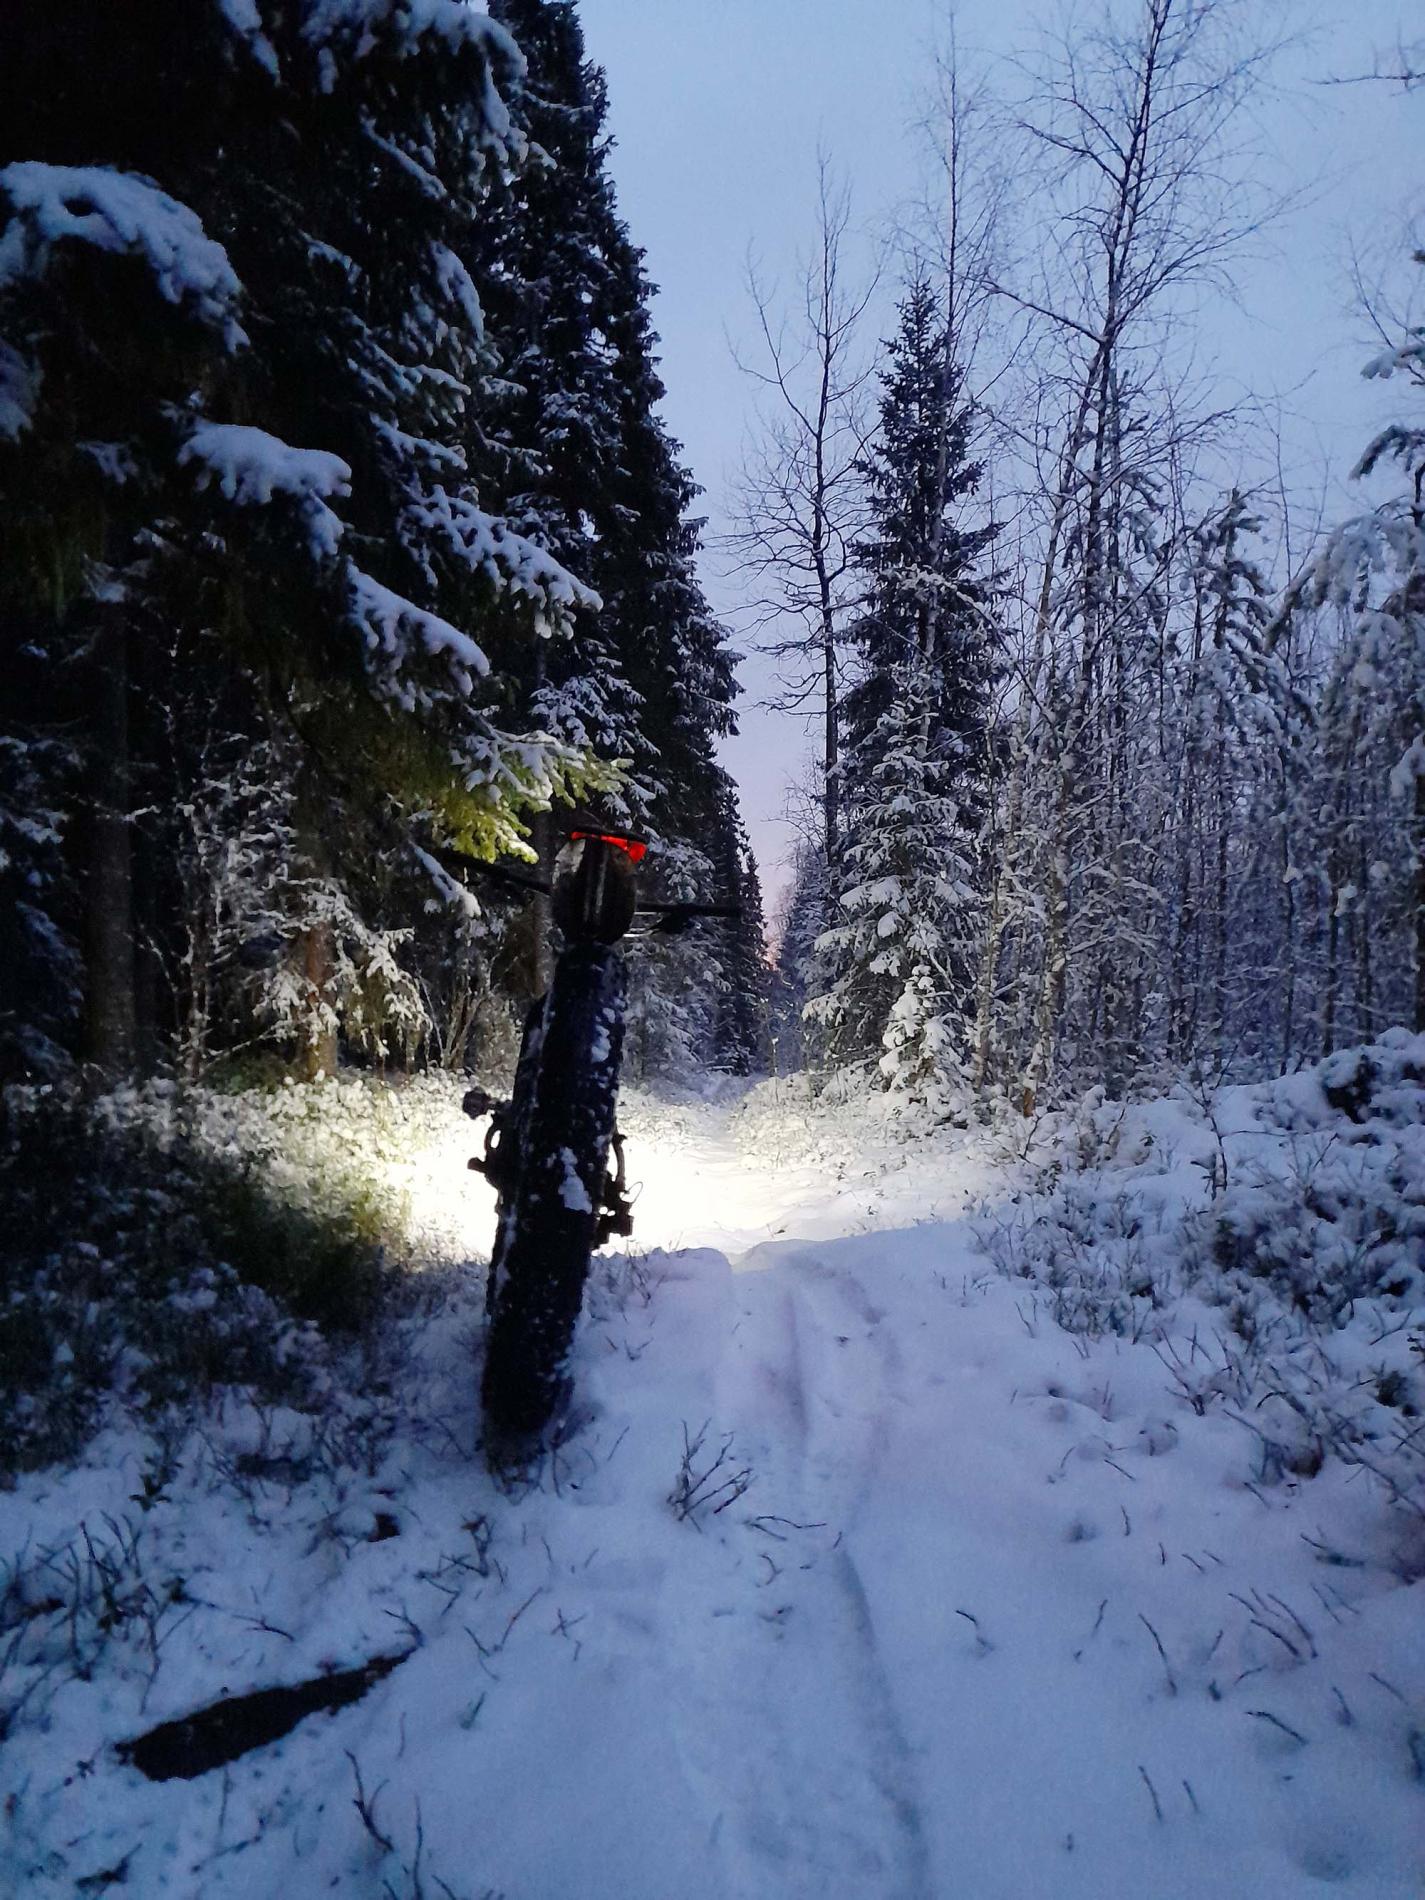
{"x": 892, "y": 1556}
{"x": 405, "y": 1146}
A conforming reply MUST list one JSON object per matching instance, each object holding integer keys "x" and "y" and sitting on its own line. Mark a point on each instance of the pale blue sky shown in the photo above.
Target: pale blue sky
{"x": 718, "y": 107}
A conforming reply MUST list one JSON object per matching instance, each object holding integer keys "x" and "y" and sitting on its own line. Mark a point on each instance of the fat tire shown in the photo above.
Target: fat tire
{"x": 514, "y": 1143}
{"x": 549, "y": 1221}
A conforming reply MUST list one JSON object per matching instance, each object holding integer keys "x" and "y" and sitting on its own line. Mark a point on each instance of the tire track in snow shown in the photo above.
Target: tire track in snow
{"x": 861, "y": 1376}
{"x": 787, "y": 1721}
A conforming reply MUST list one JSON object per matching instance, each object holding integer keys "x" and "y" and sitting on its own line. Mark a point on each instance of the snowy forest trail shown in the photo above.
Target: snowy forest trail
{"x": 734, "y": 1169}
{"x": 1001, "y": 1645}
{"x": 800, "y": 1395}
{"x": 854, "y": 1576}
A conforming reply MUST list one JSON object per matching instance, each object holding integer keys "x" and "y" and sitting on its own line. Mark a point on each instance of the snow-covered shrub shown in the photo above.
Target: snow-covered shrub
{"x": 147, "y": 1274}
{"x": 1333, "y": 1212}
{"x": 1093, "y": 1251}
{"x": 396, "y": 1149}
{"x": 364, "y": 990}
{"x": 1384, "y": 1082}
{"x": 1332, "y": 1231}
{"x": 1281, "y": 1227}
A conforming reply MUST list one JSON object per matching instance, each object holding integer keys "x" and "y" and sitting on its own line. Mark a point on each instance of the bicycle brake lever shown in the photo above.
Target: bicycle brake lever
{"x": 674, "y": 919}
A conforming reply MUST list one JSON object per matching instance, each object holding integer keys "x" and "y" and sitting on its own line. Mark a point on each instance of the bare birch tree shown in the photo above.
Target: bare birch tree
{"x": 1134, "y": 143}
{"x": 801, "y": 503}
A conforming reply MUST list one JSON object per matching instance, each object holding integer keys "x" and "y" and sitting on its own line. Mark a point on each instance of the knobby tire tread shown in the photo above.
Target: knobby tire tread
{"x": 544, "y": 1243}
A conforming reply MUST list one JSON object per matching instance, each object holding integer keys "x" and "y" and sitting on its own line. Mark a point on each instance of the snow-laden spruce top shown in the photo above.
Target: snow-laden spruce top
{"x": 357, "y": 28}
{"x": 120, "y": 212}
{"x": 410, "y": 22}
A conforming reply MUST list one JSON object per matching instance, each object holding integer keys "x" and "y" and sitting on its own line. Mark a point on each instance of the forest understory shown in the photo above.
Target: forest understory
{"x": 1026, "y": 1507}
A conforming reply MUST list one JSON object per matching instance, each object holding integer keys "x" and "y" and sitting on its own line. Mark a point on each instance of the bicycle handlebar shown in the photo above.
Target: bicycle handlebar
{"x": 453, "y": 863}
{"x": 688, "y": 910}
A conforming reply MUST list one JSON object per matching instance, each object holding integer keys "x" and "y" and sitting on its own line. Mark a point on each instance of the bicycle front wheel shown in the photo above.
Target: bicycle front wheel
{"x": 550, "y": 1221}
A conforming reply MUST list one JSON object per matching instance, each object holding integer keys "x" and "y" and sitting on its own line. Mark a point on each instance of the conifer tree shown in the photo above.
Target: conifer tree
{"x": 801, "y": 921}
{"x": 896, "y": 968}
{"x": 241, "y": 349}
{"x": 551, "y": 251}
{"x": 1238, "y": 714}
{"x": 593, "y": 466}
{"x": 591, "y": 470}
{"x": 1371, "y": 840}
{"x": 743, "y": 1030}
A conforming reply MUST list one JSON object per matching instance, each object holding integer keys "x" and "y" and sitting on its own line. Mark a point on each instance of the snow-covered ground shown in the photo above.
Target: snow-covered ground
{"x": 856, "y": 1574}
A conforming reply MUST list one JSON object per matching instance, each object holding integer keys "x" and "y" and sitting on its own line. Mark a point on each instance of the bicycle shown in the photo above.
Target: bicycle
{"x": 548, "y": 1148}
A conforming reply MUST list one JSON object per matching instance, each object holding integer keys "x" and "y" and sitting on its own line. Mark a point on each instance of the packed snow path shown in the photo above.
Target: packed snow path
{"x": 933, "y": 1667}
{"x": 855, "y": 1577}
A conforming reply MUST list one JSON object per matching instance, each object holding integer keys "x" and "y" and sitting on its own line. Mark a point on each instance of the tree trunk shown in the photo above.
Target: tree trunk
{"x": 1221, "y": 817}
{"x": 542, "y": 837}
{"x": 1053, "y": 978}
{"x": 1288, "y": 887}
{"x": 109, "y": 1030}
{"x": 317, "y": 1050}
{"x": 830, "y": 754}
{"x": 1333, "y": 935}
{"x": 317, "y": 1055}
{"x": 985, "y": 989}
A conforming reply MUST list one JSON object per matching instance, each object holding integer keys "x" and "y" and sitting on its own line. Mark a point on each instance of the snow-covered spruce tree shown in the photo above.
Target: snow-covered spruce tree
{"x": 590, "y": 469}
{"x": 241, "y": 351}
{"x": 550, "y": 253}
{"x": 802, "y": 918}
{"x": 114, "y": 305}
{"x": 897, "y": 971}
{"x": 676, "y": 983}
{"x": 1372, "y": 738}
{"x": 742, "y": 1042}
{"x": 1233, "y": 727}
